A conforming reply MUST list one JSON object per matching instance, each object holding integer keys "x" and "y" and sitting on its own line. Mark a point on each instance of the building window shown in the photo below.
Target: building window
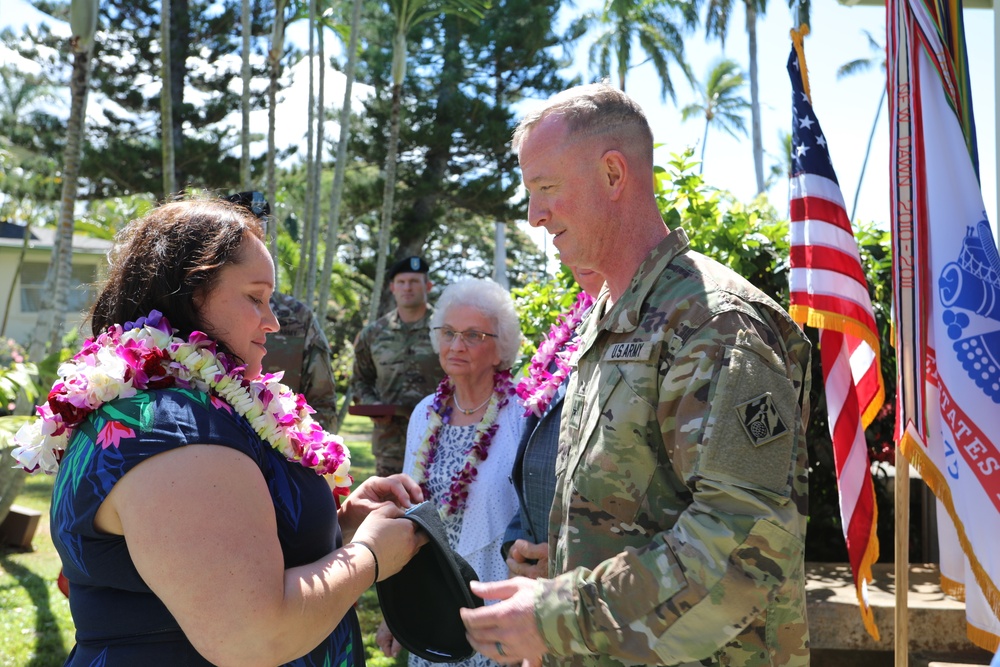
{"x": 81, "y": 287}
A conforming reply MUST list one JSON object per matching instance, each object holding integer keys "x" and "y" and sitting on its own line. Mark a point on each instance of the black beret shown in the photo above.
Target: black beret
{"x": 409, "y": 265}
{"x": 252, "y": 201}
{"x": 420, "y": 603}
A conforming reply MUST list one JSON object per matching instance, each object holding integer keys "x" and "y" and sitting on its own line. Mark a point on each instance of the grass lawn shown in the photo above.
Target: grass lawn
{"x": 36, "y": 629}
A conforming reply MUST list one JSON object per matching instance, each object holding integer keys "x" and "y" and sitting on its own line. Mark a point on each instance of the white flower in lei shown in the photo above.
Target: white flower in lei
{"x": 539, "y": 385}
{"x": 146, "y": 355}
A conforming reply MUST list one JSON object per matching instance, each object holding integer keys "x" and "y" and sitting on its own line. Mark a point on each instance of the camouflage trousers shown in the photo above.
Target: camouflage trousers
{"x": 389, "y": 446}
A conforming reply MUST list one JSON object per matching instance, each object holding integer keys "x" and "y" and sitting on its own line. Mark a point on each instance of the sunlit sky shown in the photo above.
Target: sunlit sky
{"x": 845, "y": 106}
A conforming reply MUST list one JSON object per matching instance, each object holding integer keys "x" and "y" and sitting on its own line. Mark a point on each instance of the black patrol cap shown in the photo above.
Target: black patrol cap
{"x": 408, "y": 265}
{"x": 255, "y": 202}
{"x": 421, "y": 602}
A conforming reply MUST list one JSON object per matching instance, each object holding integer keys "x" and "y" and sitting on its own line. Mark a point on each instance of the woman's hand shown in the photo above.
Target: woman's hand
{"x": 394, "y": 540}
{"x": 399, "y": 490}
{"x": 386, "y": 642}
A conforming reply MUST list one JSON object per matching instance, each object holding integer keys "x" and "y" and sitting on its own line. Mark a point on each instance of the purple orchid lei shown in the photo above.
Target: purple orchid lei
{"x": 440, "y": 414}
{"x": 145, "y": 354}
{"x": 539, "y": 385}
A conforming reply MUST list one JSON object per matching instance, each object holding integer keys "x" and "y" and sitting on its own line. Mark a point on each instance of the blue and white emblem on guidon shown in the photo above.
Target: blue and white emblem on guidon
{"x": 971, "y": 287}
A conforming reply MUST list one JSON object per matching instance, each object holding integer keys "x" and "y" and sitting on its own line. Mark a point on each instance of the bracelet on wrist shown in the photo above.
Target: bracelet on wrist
{"x": 374, "y": 557}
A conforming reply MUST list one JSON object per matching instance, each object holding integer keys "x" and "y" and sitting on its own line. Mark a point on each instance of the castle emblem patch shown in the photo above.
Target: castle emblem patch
{"x": 760, "y": 420}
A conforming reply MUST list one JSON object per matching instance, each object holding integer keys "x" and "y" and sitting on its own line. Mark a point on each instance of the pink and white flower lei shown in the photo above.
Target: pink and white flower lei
{"x": 539, "y": 385}
{"x": 146, "y": 355}
{"x": 440, "y": 414}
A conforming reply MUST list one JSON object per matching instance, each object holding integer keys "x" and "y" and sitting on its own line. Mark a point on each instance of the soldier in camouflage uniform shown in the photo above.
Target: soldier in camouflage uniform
{"x": 301, "y": 350}
{"x": 678, "y": 527}
{"x": 394, "y": 363}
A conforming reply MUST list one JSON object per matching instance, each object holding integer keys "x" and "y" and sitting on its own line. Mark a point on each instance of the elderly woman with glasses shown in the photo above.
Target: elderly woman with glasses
{"x": 462, "y": 439}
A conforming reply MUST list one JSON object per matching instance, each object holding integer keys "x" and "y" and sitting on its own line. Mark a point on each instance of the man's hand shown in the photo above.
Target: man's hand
{"x": 528, "y": 560}
{"x": 506, "y": 631}
{"x": 386, "y": 642}
{"x": 383, "y": 420}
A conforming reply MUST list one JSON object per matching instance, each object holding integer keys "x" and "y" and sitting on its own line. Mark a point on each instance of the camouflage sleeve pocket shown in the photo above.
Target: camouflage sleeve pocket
{"x": 752, "y": 436}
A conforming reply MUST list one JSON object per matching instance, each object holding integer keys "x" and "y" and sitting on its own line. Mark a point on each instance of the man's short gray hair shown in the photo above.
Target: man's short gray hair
{"x": 596, "y": 109}
{"x": 494, "y": 303}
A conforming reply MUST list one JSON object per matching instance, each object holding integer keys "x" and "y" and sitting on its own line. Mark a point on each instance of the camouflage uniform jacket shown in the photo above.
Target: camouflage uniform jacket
{"x": 680, "y": 511}
{"x": 316, "y": 382}
{"x": 394, "y": 363}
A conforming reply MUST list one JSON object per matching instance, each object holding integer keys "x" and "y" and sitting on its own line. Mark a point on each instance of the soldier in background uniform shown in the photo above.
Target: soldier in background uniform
{"x": 301, "y": 350}
{"x": 677, "y": 533}
{"x": 394, "y": 363}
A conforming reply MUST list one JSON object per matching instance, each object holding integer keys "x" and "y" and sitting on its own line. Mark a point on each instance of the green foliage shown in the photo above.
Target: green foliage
{"x": 17, "y": 379}
{"x": 538, "y": 304}
{"x": 35, "y": 624}
{"x": 748, "y": 238}
{"x": 462, "y": 81}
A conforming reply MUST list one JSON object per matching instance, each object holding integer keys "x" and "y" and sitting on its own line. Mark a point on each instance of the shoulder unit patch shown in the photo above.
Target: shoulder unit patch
{"x": 760, "y": 420}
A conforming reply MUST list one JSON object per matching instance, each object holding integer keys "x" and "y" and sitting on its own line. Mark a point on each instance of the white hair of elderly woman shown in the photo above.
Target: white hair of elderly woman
{"x": 492, "y": 301}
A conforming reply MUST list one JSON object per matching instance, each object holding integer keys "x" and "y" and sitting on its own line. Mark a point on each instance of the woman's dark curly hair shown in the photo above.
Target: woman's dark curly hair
{"x": 166, "y": 258}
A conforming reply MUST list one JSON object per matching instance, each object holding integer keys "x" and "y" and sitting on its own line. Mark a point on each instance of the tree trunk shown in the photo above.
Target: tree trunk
{"x": 17, "y": 271}
{"x": 245, "y": 100}
{"x": 317, "y": 172}
{"x": 180, "y": 45}
{"x": 868, "y": 151}
{"x": 53, "y": 315}
{"x": 387, "y": 202}
{"x": 305, "y": 229}
{"x": 166, "y": 104}
{"x": 274, "y": 62}
{"x": 758, "y": 145}
{"x": 71, "y": 173}
{"x": 704, "y": 142}
{"x": 423, "y": 219}
{"x": 337, "y": 190}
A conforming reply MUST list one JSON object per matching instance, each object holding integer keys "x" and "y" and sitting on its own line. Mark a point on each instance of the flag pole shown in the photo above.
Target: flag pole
{"x": 896, "y": 23}
{"x": 901, "y": 615}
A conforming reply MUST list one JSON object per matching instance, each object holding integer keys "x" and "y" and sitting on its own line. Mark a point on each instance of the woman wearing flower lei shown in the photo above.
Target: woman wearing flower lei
{"x": 541, "y": 391}
{"x": 188, "y": 511}
{"x": 461, "y": 439}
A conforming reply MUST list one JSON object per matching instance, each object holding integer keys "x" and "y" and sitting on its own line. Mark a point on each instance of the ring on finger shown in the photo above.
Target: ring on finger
{"x": 500, "y": 650}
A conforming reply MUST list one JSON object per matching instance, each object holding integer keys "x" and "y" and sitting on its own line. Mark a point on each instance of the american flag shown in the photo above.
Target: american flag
{"x": 829, "y": 291}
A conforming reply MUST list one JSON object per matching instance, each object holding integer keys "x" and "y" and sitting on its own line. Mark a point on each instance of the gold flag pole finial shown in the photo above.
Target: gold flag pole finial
{"x": 797, "y": 37}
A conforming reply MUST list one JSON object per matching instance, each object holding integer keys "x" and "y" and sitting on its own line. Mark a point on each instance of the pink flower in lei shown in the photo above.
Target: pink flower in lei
{"x": 145, "y": 354}
{"x": 539, "y": 385}
{"x": 440, "y": 414}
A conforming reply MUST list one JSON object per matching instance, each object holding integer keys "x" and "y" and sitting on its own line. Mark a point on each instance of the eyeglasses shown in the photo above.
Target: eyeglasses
{"x": 448, "y": 336}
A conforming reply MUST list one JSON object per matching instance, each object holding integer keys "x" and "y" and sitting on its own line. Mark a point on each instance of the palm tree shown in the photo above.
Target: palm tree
{"x": 166, "y": 103}
{"x": 305, "y": 233}
{"x": 407, "y": 14}
{"x": 782, "y": 166}
{"x": 83, "y": 25}
{"x": 245, "y": 97}
{"x": 721, "y": 102}
{"x": 337, "y": 190}
{"x": 274, "y": 55}
{"x": 854, "y": 67}
{"x": 18, "y": 91}
{"x": 624, "y": 23}
{"x": 717, "y": 15}
{"x": 313, "y": 203}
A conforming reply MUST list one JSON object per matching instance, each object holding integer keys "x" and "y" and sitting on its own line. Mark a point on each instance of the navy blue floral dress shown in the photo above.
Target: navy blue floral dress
{"x": 119, "y": 621}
